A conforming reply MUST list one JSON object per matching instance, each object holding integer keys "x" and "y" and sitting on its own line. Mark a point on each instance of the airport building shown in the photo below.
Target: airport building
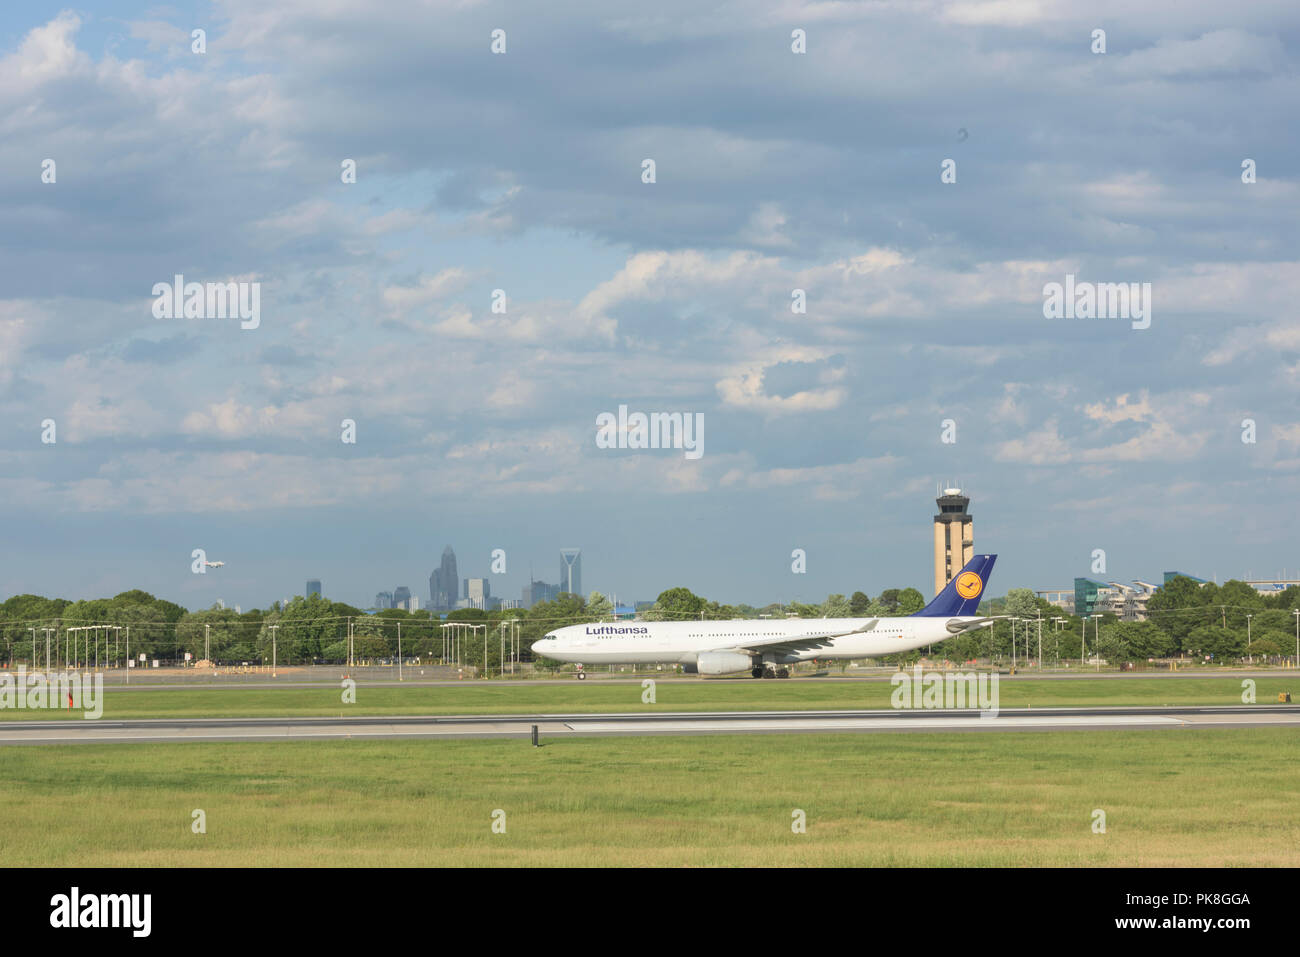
{"x": 1268, "y": 587}
{"x": 1126, "y": 602}
{"x": 1062, "y": 598}
{"x": 954, "y": 537}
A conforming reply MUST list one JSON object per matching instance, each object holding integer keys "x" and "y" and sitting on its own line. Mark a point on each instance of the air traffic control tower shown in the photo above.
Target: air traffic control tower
{"x": 954, "y": 537}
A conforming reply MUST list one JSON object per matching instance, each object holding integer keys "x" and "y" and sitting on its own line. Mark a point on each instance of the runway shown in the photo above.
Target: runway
{"x": 83, "y": 731}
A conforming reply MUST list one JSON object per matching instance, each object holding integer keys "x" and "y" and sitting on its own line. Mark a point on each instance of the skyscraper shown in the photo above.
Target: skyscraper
{"x": 954, "y": 537}
{"x": 478, "y": 593}
{"x": 536, "y": 591}
{"x": 384, "y": 599}
{"x": 313, "y": 587}
{"x": 444, "y": 583}
{"x": 401, "y": 594}
{"x": 571, "y": 570}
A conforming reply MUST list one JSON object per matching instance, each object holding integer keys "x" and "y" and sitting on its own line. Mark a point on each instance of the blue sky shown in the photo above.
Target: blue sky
{"x": 522, "y": 171}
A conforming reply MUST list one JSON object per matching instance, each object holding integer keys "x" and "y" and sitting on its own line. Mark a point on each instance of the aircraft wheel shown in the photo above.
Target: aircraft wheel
{"x": 757, "y": 672}
{"x": 783, "y": 673}
{"x": 582, "y": 676}
{"x": 769, "y": 673}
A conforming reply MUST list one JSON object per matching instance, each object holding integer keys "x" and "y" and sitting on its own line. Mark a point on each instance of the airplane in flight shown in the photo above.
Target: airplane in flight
{"x": 764, "y": 647}
{"x": 214, "y": 564}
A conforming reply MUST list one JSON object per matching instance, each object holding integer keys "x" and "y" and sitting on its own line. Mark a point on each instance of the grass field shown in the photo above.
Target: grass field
{"x": 594, "y": 696}
{"x": 1206, "y": 797}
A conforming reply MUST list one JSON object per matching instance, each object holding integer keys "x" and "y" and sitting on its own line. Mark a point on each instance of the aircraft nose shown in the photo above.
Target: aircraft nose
{"x": 544, "y": 645}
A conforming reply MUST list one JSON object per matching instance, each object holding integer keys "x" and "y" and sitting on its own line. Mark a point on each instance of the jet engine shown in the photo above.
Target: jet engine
{"x": 722, "y": 662}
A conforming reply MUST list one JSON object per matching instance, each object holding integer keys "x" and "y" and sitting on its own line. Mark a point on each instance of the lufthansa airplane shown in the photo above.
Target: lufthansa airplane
{"x": 764, "y": 646}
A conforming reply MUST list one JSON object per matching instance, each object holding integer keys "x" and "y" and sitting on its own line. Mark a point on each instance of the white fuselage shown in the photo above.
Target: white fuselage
{"x": 680, "y": 642}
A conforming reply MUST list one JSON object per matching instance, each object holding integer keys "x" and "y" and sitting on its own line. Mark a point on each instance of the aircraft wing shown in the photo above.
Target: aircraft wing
{"x": 786, "y": 645}
{"x": 957, "y": 626}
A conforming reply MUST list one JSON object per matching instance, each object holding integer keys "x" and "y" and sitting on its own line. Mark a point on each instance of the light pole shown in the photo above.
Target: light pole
{"x": 33, "y": 631}
{"x": 1248, "y": 618}
{"x": 1296, "y": 612}
{"x": 399, "y": 651}
{"x": 274, "y": 650}
{"x": 1040, "y": 641}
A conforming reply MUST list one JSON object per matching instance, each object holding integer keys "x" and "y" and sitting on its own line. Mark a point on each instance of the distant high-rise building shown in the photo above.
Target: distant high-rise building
{"x": 571, "y": 570}
{"x": 464, "y": 589}
{"x": 478, "y": 592}
{"x": 444, "y": 583}
{"x": 384, "y": 599}
{"x": 401, "y": 595}
{"x": 539, "y": 591}
{"x": 954, "y": 537}
{"x": 313, "y": 587}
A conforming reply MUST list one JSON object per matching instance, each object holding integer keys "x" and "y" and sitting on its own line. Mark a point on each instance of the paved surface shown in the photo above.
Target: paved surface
{"x": 642, "y": 724}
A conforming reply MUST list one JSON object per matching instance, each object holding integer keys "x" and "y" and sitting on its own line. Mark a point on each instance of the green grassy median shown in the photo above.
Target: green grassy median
{"x": 671, "y": 695}
{"x": 1171, "y": 798}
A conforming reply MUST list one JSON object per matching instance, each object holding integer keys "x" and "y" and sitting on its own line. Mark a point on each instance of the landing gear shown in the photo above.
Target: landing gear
{"x": 582, "y": 675}
{"x": 757, "y": 672}
{"x": 783, "y": 672}
{"x": 770, "y": 671}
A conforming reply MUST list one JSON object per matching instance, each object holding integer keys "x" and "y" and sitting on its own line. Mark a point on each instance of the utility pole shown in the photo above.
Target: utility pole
{"x": 274, "y": 649}
{"x": 399, "y": 651}
{"x": 207, "y": 656}
{"x": 128, "y": 654}
{"x": 1040, "y": 641}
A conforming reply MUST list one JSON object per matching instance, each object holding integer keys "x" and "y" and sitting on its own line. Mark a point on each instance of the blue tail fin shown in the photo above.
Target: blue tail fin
{"x": 961, "y": 596}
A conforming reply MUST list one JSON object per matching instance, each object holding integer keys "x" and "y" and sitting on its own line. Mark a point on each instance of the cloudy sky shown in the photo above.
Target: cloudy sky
{"x": 523, "y": 171}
